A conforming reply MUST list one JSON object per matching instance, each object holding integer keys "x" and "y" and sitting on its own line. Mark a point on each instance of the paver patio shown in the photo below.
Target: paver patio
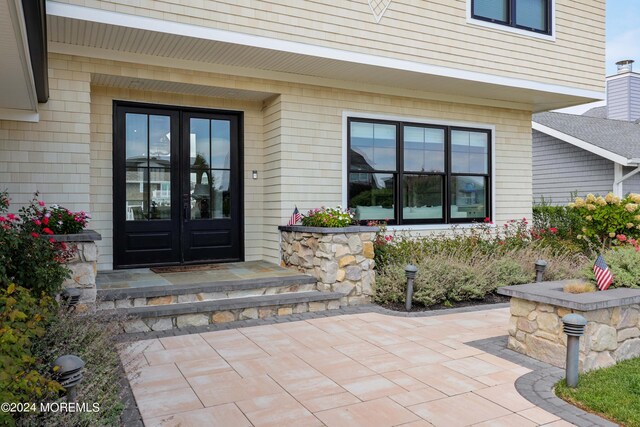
{"x": 366, "y": 369}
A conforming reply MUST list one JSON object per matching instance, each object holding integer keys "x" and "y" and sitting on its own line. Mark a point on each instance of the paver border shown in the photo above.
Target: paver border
{"x": 536, "y": 386}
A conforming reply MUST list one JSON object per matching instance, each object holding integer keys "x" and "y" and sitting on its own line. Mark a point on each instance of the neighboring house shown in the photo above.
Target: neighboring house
{"x": 190, "y": 129}
{"x": 597, "y": 152}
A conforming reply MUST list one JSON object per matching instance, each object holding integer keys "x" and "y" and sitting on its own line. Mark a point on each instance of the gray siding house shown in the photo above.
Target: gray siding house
{"x": 596, "y": 152}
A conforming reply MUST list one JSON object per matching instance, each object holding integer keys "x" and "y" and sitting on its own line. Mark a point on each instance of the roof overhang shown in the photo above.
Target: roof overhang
{"x": 19, "y": 100}
{"x": 79, "y": 30}
{"x": 614, "y": 157}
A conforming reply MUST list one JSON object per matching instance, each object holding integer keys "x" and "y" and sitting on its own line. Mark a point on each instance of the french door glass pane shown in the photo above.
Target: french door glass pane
{"x": 160, "y": 192}
{"x": 199, "y": 143}
{"x": 532, "y": 14}
{"x": 159, "y": 141}
{"x": 422, "y": 196}
{"x": 492, "y": 9}
{"x": 372, "y": 195}
{"x": 221, "y": 144}
{"x": 423, "y": 149}
{"x": 469, "y": 152}
{"x": 220, "y": 194}
{"x": 373, "y": 146}
{"x": 137, "y": 201}
{"x": 468, "y": 198}
{"x": 200, "y": 185}
{"x": 136, "y": 140}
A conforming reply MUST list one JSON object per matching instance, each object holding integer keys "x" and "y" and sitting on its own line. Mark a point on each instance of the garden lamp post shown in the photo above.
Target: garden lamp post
{"x": 541, "y": 266}
{"x": 68, "y": 373}
{"x": 574, "y": 328}
{"x": 410, "y": 272}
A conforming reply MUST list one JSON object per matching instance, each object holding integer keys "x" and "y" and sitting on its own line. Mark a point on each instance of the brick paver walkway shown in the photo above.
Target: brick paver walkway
{"x": 366, "y": 369}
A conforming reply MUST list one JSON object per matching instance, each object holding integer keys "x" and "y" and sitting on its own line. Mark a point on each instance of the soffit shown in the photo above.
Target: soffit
{"x": 176, "y": 87}
{"x": 66, "y": 31}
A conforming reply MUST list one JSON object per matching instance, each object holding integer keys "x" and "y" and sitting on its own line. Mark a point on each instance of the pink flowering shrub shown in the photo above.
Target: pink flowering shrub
{"x": 54, "y": 220}
{"x": 328, "y": 217}
{"x": 26, "y": 258}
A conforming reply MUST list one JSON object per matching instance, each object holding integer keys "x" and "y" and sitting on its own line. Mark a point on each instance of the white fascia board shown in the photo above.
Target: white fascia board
{"x": 83, "y": 13}
{"x": 19, "y": 115}
{"x": 20, "y": 31}
{"x": 616, "y": 158}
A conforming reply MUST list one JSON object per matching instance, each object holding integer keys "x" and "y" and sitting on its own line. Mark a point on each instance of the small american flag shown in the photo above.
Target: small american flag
{"x": 603, "y": 275}
{"x": 295, "y": 217}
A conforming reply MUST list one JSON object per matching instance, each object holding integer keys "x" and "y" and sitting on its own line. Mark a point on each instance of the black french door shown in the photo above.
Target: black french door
{"x": 177, "y": 185}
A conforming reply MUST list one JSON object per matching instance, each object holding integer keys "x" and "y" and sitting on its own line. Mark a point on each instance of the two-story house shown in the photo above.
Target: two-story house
{"x": 190, "y": 129}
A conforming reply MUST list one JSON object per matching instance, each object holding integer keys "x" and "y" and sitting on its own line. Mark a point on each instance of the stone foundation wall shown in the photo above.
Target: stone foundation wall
{"x": 82, "y": 263}
{"x": 611, "y": 334}
{"x": 341, "y": 259}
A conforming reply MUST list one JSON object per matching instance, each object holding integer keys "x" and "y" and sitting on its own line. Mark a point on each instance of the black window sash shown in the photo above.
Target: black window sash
{"x": 447, "y": 175}
{"x": 511, "y": 14}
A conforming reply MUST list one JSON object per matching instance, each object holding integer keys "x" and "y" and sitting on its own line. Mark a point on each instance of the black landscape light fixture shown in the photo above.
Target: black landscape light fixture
{"x": 541, "y": 266}
{"x": 410, "y": 272}
{"x": 71, "y": 297}
{"x": 68, "y": 372}
{"x": 574, "y": 325}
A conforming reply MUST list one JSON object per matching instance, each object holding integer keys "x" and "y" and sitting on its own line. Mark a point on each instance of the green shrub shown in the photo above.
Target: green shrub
{"x": 23, "y": 321}
{"x": 624, "y": 264}
{"x": 465, "y": 264}
{"x": 608, "y": 220}
{"x": 26, "y": 258}
{"x": 328, "y": 217}
{"x": 566, "y": 222}
{"x": 93, "y": 338}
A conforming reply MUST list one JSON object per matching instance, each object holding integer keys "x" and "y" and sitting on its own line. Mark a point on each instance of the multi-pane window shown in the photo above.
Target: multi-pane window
{"x": 408, "y": 173}
{"x": 532, "y": 15}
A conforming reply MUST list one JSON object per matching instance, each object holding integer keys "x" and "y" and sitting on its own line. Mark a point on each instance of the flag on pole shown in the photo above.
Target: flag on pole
{"x": 295, "y": 217}
{"x": 603, "y": 275}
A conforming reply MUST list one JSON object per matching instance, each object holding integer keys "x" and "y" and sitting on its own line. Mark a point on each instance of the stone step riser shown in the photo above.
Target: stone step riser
{"x": 162, "y": 323}
{"x": 187, "y": 297}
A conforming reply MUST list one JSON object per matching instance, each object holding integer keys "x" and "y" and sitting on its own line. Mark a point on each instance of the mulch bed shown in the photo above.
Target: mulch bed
{"x": 488, "y": 299}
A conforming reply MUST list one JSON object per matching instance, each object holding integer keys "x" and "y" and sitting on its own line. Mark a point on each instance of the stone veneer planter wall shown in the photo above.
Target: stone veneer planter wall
{"x": 612, "y": 333}
{"x": 82, "y": 263}
{"x": 341, "y": 259}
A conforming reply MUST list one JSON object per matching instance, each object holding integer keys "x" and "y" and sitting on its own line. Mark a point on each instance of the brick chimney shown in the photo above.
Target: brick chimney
{"x": 623, "y": 93}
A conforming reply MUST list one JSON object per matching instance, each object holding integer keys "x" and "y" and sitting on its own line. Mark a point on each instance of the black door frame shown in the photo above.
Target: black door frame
{"x": 177, "y": 162}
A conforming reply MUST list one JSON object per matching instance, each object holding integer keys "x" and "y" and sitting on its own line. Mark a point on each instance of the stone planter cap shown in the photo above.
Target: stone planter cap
{"x": 552, "y": 293}
{"x": 85, "y": 236}
{"x": 329, "y": 230}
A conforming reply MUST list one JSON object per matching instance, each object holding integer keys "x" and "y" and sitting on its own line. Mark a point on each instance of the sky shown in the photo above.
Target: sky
{"x": 623, "y": 33}
{"x": 623, "y": 41}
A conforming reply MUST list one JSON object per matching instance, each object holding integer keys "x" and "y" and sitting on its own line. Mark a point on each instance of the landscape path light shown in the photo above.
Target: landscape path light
{"x": 541, "y": 266}
{"x": 68, "y": 372}
{"x": 410, "y": 272}
{"x": 574, "y": 325}
{"x": 71, "y": 296}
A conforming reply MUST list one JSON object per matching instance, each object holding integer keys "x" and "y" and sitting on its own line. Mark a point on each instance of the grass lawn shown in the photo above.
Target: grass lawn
{"x": 612, "y": 392}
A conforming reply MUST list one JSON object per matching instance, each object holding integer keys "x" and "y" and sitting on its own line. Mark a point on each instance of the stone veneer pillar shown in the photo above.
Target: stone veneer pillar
{"x": 612, "y": 333}
{"x": 82, "y": 263}
{"x": 341, "y": 259}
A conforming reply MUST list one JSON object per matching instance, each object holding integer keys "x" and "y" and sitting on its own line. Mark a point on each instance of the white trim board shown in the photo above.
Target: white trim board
{"x": 83, "y": 13}
{"x": 616, "y": 158}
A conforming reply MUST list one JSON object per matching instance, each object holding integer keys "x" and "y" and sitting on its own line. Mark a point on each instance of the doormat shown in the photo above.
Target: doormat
{"x": 186, "y": 268}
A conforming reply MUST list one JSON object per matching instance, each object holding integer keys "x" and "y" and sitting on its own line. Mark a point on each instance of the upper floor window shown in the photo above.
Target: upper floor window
{"x": 412, "y": 173}
{"x": 531, "y": 15}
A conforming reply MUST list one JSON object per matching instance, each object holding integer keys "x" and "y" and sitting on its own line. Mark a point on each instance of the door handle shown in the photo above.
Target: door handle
{"x": 185, "y": 209}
